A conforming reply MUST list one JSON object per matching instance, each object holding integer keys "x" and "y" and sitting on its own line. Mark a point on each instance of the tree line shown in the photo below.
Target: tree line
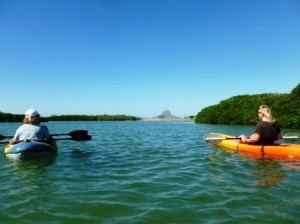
{"x": 9, "y": 117}
{"x": 104, "y": 117}
{"x": 237, "y": 110}
{"x": 242, "y": 109}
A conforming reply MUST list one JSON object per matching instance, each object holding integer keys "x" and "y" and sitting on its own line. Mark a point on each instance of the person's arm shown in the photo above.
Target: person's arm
{"x": 252, "y": 139}
{"x": 48, "y": 137}
{"x": 279, "y": 137}
{"x": 13, "y": 141}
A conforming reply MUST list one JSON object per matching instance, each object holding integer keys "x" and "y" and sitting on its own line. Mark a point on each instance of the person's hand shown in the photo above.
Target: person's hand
{"x": 243, "y": 138}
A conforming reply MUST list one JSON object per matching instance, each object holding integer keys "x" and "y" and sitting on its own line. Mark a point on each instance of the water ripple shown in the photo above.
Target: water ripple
{"x": 148, "y": 172}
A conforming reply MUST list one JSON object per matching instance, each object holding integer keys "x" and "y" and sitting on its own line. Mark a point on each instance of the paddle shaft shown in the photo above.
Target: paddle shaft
{"x": 77, "y": 138}
{"x": 232, "y": 138}
{"x": 72, "y": 133}
{"x": 215, "y": 137}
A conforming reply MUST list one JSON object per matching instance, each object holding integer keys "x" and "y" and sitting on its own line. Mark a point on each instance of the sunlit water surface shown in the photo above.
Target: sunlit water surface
{"x": 147, "y": 172}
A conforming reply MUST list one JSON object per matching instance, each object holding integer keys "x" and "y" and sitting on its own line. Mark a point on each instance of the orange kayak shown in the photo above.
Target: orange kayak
{"x": 291, "y": 151}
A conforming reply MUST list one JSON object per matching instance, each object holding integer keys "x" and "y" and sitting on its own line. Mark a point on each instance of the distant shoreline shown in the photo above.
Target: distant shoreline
{"x": 166, "y": 119}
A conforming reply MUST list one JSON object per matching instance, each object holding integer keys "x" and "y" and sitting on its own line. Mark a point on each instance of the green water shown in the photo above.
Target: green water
{"x": 147, "y": 172}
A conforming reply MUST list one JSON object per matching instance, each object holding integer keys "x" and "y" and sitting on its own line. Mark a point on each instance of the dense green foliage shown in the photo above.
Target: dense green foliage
{"x": 242, "y": 109}
{"x": 103, "y": 117}
{"x": 8, "y": 117}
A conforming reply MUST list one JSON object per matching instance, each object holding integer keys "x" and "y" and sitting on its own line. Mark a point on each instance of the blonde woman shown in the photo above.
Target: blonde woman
{"x": 31, "y": 128}
{"x": 266, "y": 130}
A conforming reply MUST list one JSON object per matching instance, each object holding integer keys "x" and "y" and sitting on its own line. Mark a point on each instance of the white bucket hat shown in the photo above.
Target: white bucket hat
{"x": 32, "y": 113}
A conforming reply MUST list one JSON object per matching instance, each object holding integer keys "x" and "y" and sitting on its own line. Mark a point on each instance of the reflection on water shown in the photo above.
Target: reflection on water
{"x": 26, "y": 182}
{"x": 268, "y": 172}
{"x": 36, "y": 164}
{"x": 83, "y": 154}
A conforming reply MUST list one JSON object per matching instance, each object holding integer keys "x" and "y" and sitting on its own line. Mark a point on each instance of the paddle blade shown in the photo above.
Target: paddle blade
{"x": 213, "y": 138}
{"x": 82, "y": 138}
{"x": 291, "y": 137}
{"x": 74, "y": 133}
{"x": 4, "y": 137}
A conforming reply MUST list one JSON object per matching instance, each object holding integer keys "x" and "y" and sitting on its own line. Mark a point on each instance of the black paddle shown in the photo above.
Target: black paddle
{"x": 72, "y": 134}
{"x": 78, "y": 138}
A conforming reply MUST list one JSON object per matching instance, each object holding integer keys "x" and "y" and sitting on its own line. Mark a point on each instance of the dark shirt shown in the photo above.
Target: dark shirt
{"x": 268, "y": 132}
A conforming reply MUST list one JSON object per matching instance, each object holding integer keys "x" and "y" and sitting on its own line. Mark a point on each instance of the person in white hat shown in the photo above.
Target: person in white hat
{"x": 31, "y": 128}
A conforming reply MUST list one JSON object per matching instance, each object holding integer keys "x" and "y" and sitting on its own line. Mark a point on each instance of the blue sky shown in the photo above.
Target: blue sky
{"x": 140, "y": 57}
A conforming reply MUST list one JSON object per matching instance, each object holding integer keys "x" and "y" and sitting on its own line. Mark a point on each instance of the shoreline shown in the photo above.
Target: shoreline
{"x": 166, "y": 119}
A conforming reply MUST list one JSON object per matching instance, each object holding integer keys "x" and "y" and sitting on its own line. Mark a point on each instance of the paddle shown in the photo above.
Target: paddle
{"x": 72, "y": 134}
{"x": 291, "y": 137}
{"x": 215, "y": 138}
{"x": 78, "y": 138}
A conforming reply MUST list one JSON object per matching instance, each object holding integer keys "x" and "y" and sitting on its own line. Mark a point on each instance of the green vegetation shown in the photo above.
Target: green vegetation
{"x": 237, "y": 110}
{"x": 103, "y": 117}
{"x": 8, "y": 117}
{"x": 242, "y": 109}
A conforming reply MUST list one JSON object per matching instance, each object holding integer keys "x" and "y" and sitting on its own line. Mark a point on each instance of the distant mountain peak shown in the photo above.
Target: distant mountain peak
{"x": 166, "y": 114}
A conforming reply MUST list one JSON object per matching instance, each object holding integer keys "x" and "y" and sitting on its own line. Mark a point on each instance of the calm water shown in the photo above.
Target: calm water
{"x": 147, "y": 172}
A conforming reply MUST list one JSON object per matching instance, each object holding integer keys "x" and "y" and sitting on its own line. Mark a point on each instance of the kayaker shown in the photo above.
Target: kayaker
{"x": 266, "y": 130}
{"x": 31, "y": 128}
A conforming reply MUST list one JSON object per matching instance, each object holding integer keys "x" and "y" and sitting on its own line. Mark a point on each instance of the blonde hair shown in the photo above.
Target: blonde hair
{"x": 266, "y": 111}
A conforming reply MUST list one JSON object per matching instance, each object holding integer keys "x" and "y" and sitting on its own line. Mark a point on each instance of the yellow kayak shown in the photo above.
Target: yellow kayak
{"x": 234, "y": 143}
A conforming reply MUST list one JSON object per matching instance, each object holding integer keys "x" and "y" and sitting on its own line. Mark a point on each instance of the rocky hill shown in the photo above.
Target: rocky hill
{"x": 167, "y": 115}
